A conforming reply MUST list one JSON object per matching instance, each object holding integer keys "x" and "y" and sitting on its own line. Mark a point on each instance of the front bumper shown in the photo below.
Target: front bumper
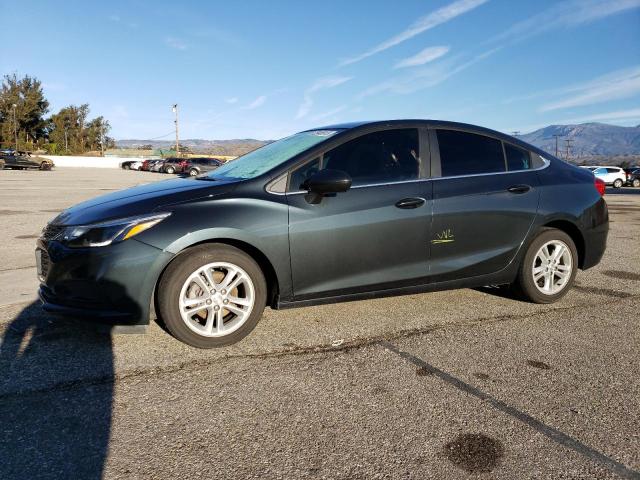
{"x": 113, "y": 284}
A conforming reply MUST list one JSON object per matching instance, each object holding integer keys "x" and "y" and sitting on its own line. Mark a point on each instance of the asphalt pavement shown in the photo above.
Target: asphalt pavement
{"x": 457, "y": 384}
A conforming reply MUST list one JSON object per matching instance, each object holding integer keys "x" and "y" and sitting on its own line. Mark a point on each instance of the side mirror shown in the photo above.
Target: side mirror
{"x": 328, "y": 181}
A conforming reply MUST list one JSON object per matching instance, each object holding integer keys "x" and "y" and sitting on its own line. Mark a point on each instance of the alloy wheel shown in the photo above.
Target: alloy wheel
{"x": 216, "y": 299}
{"x": 552, "y": 267}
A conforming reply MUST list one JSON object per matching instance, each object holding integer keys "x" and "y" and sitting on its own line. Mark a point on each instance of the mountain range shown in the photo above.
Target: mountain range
{"x": 586, "y": 140}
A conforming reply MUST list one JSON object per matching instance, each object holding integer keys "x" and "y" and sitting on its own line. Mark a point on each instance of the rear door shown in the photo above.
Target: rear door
{"x": 373, "y": 236}
{"x": 485, "y": 199}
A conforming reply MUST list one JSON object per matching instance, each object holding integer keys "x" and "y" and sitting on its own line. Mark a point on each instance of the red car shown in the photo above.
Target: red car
{"x": 145, "y": 165}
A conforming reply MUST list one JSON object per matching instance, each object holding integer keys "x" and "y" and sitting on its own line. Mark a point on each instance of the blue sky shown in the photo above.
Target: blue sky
{"x": 265, "y": 69}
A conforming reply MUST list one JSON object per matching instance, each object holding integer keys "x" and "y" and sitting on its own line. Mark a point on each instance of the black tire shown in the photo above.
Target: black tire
{"x": 126, "y": 166}
{"x": 170, "y": 170}
{"x": 193, "y": 172}
{"x": 635, "y": 182}
{"x": 524, "y": 285}
{"x": 617, "y": 183}
{"x": 173, "y": 278}
{"x": 45, "y": 166}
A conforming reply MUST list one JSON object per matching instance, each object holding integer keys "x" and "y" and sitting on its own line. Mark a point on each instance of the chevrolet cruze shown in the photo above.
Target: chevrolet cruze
{"x": 338, "y": 213}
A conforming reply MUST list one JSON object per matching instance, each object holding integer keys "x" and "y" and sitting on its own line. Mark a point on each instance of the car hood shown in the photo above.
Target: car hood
{"x": 142, "y": 199}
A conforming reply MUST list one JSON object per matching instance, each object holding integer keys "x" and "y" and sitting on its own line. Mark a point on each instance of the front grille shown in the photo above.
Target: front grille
{"x": 52, "y": 232}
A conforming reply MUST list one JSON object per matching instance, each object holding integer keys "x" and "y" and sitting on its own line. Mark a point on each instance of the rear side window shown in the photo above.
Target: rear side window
{"x": 613, "y": 170}
{"x": 378, "y": 157}
{"x": 517, "y": 158}
{"x": 463, "y": 153}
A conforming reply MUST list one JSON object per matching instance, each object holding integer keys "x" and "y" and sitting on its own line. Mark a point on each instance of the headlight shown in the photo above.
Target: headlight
{"x": 106, "y": 233}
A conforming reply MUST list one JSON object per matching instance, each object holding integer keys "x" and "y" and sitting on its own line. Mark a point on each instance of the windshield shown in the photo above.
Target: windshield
{"x": 271, "y": 155}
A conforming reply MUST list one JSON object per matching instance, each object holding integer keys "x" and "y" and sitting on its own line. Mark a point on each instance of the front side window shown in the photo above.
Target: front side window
{"x": 378, "y": 157}
{"x": 463, "y": 153}
{"x": 517, "y": 158}
{"x": 303, "y": 173}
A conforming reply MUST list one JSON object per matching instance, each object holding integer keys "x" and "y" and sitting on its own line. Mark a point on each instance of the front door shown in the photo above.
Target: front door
{"x": 375, "y": 235}
{"x": 484, "y": 205}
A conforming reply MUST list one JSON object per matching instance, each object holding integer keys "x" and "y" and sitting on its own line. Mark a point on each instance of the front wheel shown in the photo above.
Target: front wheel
{"x": 211, "y": 296}
{"x": 549, "y": 267}
{"x": 617, "y": 183}
{"x": 193, "y": 172}
{"x": 170, "y": 170}
{"x": 636, "y": 182}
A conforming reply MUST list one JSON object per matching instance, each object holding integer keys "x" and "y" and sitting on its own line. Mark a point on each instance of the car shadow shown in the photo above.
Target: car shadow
{"x": 56, "y": 397}
{"x": 501, "y": 291}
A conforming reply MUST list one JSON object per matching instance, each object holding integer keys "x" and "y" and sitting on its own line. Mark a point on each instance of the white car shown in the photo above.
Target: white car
{"x": 615, "y": 176}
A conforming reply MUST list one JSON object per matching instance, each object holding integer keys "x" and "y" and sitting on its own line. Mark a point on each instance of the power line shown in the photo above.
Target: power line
{"x": 161, "y": 136}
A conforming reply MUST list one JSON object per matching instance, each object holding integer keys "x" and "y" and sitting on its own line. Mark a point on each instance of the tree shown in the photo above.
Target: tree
{"x": 30, "y": 107}
{"x": 71, "y": 133}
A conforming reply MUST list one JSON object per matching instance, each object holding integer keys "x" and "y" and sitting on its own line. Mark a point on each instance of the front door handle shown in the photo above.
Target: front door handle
{"x": 519, "y": 189}
{"x": 410, "y": 202}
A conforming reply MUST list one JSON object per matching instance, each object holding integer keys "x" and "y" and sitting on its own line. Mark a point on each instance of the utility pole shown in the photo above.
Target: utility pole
{"x": 102, "y": 138}
{"x": 175, "y": 110}
{"x": 15, "y": 125}
{"x": 568, "y": 141}
{"x": 557, "y": 136}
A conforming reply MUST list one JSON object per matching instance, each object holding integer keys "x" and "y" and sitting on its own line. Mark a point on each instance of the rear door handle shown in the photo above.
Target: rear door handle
{"x": 519, "y": 189}
{"x": 410, "y": 202}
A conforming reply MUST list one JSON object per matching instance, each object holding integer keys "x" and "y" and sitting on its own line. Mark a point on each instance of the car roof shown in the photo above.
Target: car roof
{"x": 431, "y": 123}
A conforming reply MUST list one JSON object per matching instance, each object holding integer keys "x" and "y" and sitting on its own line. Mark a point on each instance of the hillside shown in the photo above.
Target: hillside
{"x": 588, "y": 139}
{"x": 234, "y": 147}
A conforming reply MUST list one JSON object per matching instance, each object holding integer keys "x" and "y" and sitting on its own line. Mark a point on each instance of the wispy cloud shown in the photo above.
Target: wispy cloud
{"x": 114, "y": 18}
{"x": 258, "y": 102}
{"x": 423, "y": 24}
{"x": 320, "y": 84}
{"x": 613, "y": 86}
{"x": 566, "y": 14}
{"x": 329, "y": 114}
{"x": 231, "y": 100}
{"x": 427, "y": 55}
{"x": 616, "y": 116}
{"x": 175, "y": 43}
{"x": 425, "y": 77}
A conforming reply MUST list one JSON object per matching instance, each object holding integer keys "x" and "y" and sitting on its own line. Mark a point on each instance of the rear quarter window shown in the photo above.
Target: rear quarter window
{"x": 517, "y": 158}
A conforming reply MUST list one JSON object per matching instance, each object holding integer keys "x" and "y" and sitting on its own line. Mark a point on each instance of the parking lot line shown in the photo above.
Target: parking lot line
{"x": 550, "y": 432}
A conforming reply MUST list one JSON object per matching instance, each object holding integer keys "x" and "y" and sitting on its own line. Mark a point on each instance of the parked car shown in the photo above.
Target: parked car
{"x": 157, "y": 166}
{"x": 615, "y": 176}
{"x": 146, "y": 164}
{"x": 24, "y": 160}
{"x": 128, "y": 164}
{"x": 172, "y": 165}
{"x": 634, "y": 178}
{"x": 196, "y": 166}
{"x": 345, "y": 212}
{"x": 629, "y": 172}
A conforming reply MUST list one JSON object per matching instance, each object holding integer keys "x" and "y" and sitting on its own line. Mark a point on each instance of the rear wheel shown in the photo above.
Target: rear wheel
{"x": 636, "y": 182}
{"x": 193, "y": 172}
{"x": 45, "y": 166}
{"x": 617, "y": 183}
{"x": 211, "y": 296}
{"x": 126, "y": 166}
{"x": 549, "y": 267}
